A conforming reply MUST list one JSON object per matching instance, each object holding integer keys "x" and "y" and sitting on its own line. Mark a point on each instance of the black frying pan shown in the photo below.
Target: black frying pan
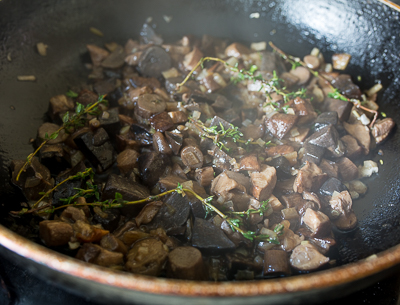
{"x": 368, "y": 30}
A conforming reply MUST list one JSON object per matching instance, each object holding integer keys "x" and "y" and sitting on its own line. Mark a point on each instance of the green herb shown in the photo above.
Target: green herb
{"x": 337, "y": 95}
{"x": 72, "y": 94}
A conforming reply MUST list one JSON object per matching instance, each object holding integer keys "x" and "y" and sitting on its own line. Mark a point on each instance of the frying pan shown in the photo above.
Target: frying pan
{"x": 368, "y": 30}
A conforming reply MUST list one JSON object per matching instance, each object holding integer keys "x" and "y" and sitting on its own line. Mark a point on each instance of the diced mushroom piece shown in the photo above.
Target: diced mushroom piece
{"x": 108, "y": 258}
{"x": 127, "y": 161}
{"x": 382, "y": 129}
{"x": 207, "y": 237}
{"x": 178, "y": 117}
{"x": 149, "y": 104}
{"x": 330, "y": 168}
{"x": 340, "y": 61}
{"x": 186, "y": 263}
{"x": 162, "y": 122}
{"x": 325, "y": 119}
{"x": 361, "y": 133}
{"x": 60, "y": 104}
{"x": 323, "y": 244}
{"x": 249, "y": 163}
{"x": 109, "y": 218}
{"x": 175, "y": 140}
{"x": 357, "y": 186}
{"x": 112, "y": 243}
{"x": 115, "y": 60}
{"x": 302, "y": 74}
{"x": 289, "y": 240}
{"x": 330, "y": 186}
{"x": 191, "y": 59}
{"x": 346, "y": 221}
{"x": 86, "y": 97}
{"x": 73, "y": 214}
{"x": 173, "y": 215}
{"x": 153, "y": 61}
{"x": 275, "y": 203}
{"x": 313, "y": 153}
{"x": 151, "y": 167}
{"x": 263, "y": 183}
{"x": 292, "y": 200}
{"x": 97, "y": 54}
{"x": 311, "y": 61}
{"x": 309, "y": 178}
{"x": 279, "y": 150}
{"x": 192, "y": 157}
{"x": 160, "y": 144}
{"x": 49, "y": 129}
{"x": 236, "y": 50}
{"x": 289, "y": 78}
{"x": 289, "y": 213}
{"x": 341, "y": 202}
{"x": 280, "y": 124}
{"x": 55, "y": 233}
{"x": 148, "y": 212}
{"x": 347, "y": 169}
{"x": 346, "y": 86}
{"x": 88, "y": 252}
{"x": 353, "y": 150}
{"x": 306, "y": 257}
{"x": 282, "y": 166}
{"x": 276, "y": 262}
{"x": 305, "y": 110}
{"x": 204, "y": 175}
{"x": 222, "y": 184}
{"x": 147, "y": 257}
{"x": 87, "y": 233}
{"x": 328, "y": 137}
{"x": 317, "y": 222}
{"x": 311, "y": 196}
{"x": 369, "y": 167}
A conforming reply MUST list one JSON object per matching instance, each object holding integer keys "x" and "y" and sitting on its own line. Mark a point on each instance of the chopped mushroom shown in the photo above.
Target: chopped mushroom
{"x": 186, "y": 263}
{"x": 263, "y": 183}
{"x": 382, "y": 129}
{"x": 309, "y": 178}
{"x": 55, "y": 233}
{"x": 306, "y": 257}
{"x": 317, "y": 222}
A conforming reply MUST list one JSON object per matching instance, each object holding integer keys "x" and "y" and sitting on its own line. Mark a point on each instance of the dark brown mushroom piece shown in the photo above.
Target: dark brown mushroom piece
{"x": 361, "y": 134}
{"x": 343, "y": 108}
{"x": 204, "y": 175}
{"x": 49, "y": 129}
{"x": 207, "y": 237}
{"x": 302, "y": 74}
{"x": 148, "y": 212}
{"x": 317, "y": 222}
{"x": 178, "y": 117}
{"x": 97, "y": 54}
{"x": 162, "y": 122}
{"x": 109, "y": 218}
{"x": 313, "y": 153}
{"x": 304, "y": 110}
{"x": 55, "y": 233}
{"x": 353, "y": 150}
{"x": 228, "y": 181}
{"x": 346, "y": 86}
{"x": 347, "y": 169}
{"x": 382, "y": 128}
{"x": 109, "y": 120}
{"x": 59, "y": 105}
{"x": 140, "y": 134}
{"x": 73, "y": 214}
{"x": 306, "y": 257}
{"x": 346, "y": 222}
{"x": 192, "y": 157}
{"x": 127, "y": 161}
{"x": 186, "y": 263}
{"x": 328, "y": 138}
{"x": 175, "y": 141}
{"x": 191, "y": 59}
{"x": 111, "y": 243}
{"x": 147, "y": 257}
{"x": 250, "y": 163}
{"x": 263, "y": 182}
{"x": 330, "y": 186}
{"x": 309, "y": 178}
{"x": 282, "y": 166}
{"x": 280, "y": 124}
{"x": 115, "y": 60}
{"x": 276, "y": 262}
{"x": 160, "y": 144}
{"x": 325, "y": 119}
{"x": 152, "y": 166}
{"x": 153, "y": 61}
{"x": 149, "y": 104}
{"x": 330, "y": 168}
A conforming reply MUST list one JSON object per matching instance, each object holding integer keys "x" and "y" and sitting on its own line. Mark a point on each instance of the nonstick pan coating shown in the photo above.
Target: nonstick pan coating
{"x": 368, "y": 30}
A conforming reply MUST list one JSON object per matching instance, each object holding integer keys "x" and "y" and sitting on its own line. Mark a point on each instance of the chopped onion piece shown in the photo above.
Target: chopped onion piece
{"x": 196, "y": 115}
{"x": 219, "y": 80}
{"x": 173, "y": 72}
{"x": 124, "y": 129}
{"x": 328, "y": 68}
{"x": 260, "y": 142}
{"x": 246, "y": 122}
{"x": 167, "y": 19}
{"x": 258, "y": 46}
{"x": 42, "y": 48}
{"x": 340, "y": 61}
{"x": 354, "y": 195}
{"x": 232, "y": 61}
{"x": 315, "y": 52}
{"x": 370, "y": 167}
{"x": 290, "y": 111}
{"x": 364, "y": 119}
{"x": 374, "y": 89}
{"x": 26, "y": 78}
{"x": 96, "y": 31}
{"x": 294, "y": 132}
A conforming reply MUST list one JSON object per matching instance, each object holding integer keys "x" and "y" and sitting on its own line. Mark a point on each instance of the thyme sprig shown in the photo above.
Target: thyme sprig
{"x": 268, "y": 86}
{"x": 69, "y": 122}
{"x": 219, "y": 133}
{"x": 263, "y": 208}
{"x": 335, "y": 94}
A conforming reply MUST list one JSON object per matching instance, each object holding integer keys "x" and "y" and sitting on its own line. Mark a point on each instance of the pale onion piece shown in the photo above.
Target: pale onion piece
{"x": 370, "y": 167}
{"x": 42, "y": 48}
{"x": 188, "y": 184}
{"x": 203, "y": 88}
{"x": 374, "y": 89}
{"x": 26, "y": 78}
{"x": 315, "y": 52}
{"x": 290, "y": 111}
{"x": 96, "y": 31}
{"x": 254, "y": 15}
{"x": 263, "y": 246}
{"x": 255, "y": 86}
{"x": 268, "y": 232}
{"x": 186, "y": 170}
{"x": 202, "y": 74}
{"x": 74, "y": 245}
{"x": 94, "y": 123}
{"x": 124, "y": 129}
{"x": 260, "y": 142}
{"x": 340, "y": 61}
{"x": 173, "y": 72}
{"x": 258, "y": 46}
{"x": 246, "y": 122}
{"x": 232, "y": 161}
{"x": 167, "y": 19}
{"x": 9, "y": 56}
{"x": 219, "y": 80}
{"x": 294, "y": 132}
{"x": 364, "y": 119}
{"x": 328, "y": 68}
{"x": 291, "y": 157}
{"x": 294, "y": 171}
{"x": 301, "y": 153}
{"x": 196, "y": 115}
{"x": 232, "y": 61}
{"x": 105, "y": 115}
